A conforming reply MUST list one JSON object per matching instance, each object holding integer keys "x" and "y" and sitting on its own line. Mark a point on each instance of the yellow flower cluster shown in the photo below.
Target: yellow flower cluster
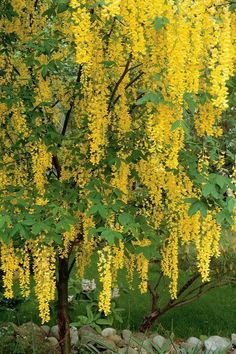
{"x": 24, "y": 272}
{"x": 207, "y": 244}
{"x": 169, "y": 263}
{"x": 45, "y": 278}
{"x": 85, "y": 248}
{"x": 142, "y": 268}
{"x": 206, "y": 120}
{"x": 82, "y": 32}
{"x": 9, "y": 265}
{"x": 18, "y": 122}
{"x": 105, "y": 276}
{"x": 41, "y": 162}
{"x": 142, "y": 243}
{"x": 117, "y": 260}
{"x": 120, "y": 179}
{"x": 130, "y": 267}
{"x": 68, "y": 238}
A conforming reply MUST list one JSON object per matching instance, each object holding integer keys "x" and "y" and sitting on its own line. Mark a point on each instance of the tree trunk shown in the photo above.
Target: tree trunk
{"x": 149, "y": 321}
{"x": 62, "y": 310}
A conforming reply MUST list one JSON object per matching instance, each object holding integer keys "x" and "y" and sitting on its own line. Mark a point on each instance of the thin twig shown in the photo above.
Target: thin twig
{"x": 126, "y": 69}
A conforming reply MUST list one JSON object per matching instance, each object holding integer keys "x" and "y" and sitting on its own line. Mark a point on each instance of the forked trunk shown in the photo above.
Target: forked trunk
{"x": 149, "y": 321}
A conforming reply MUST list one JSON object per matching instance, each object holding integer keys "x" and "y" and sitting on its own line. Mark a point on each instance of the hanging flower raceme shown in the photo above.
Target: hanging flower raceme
{"x": 41, "y": 162}
{"x": 142, "y": 268}
{"x": 44, "y": 276}
{"x": 105, "y": 276}
{"x": 9, "y": 266}
{"x": 24, "y": 271}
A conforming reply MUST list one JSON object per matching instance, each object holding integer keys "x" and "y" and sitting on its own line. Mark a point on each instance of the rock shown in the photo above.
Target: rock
{"x": 53, "y": 341}
{"x": 107, "y": 332}
{"x": 86, "y": 329}
{"x": 106, "y": 343}
{"x": 192, "y": 343}
{"x": 132, "y": 340}
{"x": 147, "y": 347}
{"x": 215, "y": 343}
{"x": 233, "y": 339}
{"x": 117, "y": 340}
{"x": 25, "y": 338}
{"x": 88, "y": 335}
{"x": 126, "y": 334}
{"x": 46, "y": 329}
{"x": 54, "y": 332}
{"x": 158, "y": 341}
{"x": 74, "y": 337}
{"x": 30, "y": 329}
{"x": 127, "y": 350}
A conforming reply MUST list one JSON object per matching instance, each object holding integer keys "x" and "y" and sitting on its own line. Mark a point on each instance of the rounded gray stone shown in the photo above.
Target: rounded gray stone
{"x": 74, "y": 337}
{"x": 216, "y": 343}
{"x": 158, "y": 341}
{"x": 54, "y": 332}
{"x": 107, "y": 332}
{"x": 126, "y": 334}
{"x": 233, "y": 339}
{"x": 46, "y": 329}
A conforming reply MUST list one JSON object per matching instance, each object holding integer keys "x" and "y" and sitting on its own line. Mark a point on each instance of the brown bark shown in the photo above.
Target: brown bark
{"x": 62, "y": 310}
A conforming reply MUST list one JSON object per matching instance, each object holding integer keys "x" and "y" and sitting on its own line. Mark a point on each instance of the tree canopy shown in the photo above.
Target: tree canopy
{"x": 112, "y": 138}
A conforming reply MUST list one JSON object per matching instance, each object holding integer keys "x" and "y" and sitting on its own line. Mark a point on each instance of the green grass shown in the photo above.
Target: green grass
{"x": 215, "y": 313}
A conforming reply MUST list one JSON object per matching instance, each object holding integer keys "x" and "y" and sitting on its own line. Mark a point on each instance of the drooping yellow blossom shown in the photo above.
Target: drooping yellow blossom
{"x": 24, "y": 272}
{"x": 41, "y": 162}
{"x": 68, "y": 238}
{"x": 117, "y": 260}
{"x": 9, "y": 265}
{"x": 130, "y": 262}
{"x": 142, "y": 268}
{"x": 207, "y": 245}
{"x": 105, "y": 276}
{"x": 45, "y": 279}
{"x": 86, "y": 246}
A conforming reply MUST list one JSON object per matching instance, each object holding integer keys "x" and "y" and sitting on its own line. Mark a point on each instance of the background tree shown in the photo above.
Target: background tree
{"x": 109, "y": 114}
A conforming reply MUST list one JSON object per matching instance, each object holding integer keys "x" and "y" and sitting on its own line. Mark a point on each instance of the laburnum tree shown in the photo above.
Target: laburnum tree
{"x": 110, "y": 129}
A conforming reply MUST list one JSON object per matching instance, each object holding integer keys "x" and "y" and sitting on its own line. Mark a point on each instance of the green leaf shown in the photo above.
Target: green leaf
{"x": 221, "y": 180}
{"x": 108, "y": 64}
{"x": 104, "y": 321}
{"x": 198, "y": 206}
{"x": 160, "y": 22}
{"x": 38, "y": 228}
{"x": 110, "y": 236}
{"x": 231, "y": 204}
{"x": 224, "y": 216}
{"x": 189, "y": 99}
{"x": 210, "y": 189}
{"x": 62, "y": 6}
{"x": 125, "y": 219}
{"x": 177, "y": 124}
{"x": 154, "y": 97}
{"x": 2, "y": 221}
{"x": 89, "y": 313}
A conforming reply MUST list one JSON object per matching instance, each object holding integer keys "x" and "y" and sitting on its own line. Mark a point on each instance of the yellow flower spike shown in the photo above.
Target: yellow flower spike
{"x": 142, "y": 268}
{"x": 105, "y": 276}
{"x": 45, "y": 278}
{"x": 9, "y": 265}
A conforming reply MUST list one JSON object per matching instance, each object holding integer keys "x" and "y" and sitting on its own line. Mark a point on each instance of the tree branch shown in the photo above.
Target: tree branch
{"x": 65, "y": 125}
{"x": 126, "y": 69}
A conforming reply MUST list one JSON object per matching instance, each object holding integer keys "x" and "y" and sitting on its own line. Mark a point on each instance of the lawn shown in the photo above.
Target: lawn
{"x": 215, "y": 313}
